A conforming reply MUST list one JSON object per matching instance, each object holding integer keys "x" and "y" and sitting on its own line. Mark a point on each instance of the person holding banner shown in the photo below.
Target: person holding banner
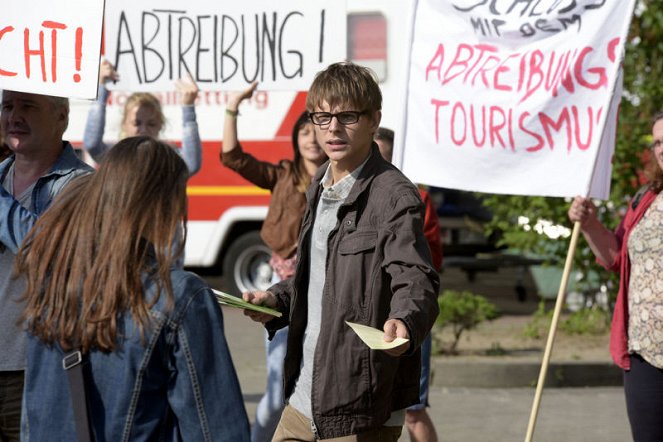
{"x": 156, "y": 364}
{"x": 417, "y": 421}
{"x": 362, "y": 259}
{"x": 143, "y": 116}
{"x": 634, "y": 250}
{"x": 288, "y": 181}
{"x": 40, "y": 167}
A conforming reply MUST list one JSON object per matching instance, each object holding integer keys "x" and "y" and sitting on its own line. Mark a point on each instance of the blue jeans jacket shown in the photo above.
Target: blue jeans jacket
{"x": 15, "y": 221}
{"x": 179, "y": 383}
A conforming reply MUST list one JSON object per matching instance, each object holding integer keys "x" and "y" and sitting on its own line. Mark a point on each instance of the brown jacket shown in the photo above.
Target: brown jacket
{"x": 378, "y": 268}
{"x": 286, "y": 207}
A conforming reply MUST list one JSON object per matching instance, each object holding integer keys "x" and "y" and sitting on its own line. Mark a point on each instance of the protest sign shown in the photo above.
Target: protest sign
{"x": 512, "y": 96}
{"x": 223, "y": 45}
{"x": 51, "y": 47}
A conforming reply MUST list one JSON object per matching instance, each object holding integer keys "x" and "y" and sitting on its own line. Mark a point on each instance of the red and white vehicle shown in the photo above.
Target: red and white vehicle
{"x": 226, "y": 211}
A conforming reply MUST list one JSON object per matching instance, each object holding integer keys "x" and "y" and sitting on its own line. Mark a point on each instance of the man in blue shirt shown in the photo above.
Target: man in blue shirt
{"x": 40, "y": 166}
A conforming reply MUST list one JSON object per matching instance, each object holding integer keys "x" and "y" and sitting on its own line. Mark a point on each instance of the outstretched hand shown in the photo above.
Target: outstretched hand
{"x": 266, "y": 299}
{"x": 395, "y": 328}
{"x": 189, "y": 90}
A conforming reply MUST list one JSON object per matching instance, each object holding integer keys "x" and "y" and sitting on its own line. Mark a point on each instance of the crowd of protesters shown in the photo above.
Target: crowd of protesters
{"x": 96, "y": 309}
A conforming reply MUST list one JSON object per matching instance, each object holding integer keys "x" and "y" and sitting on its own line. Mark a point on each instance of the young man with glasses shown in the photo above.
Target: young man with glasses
{"x": 363, "y": 259}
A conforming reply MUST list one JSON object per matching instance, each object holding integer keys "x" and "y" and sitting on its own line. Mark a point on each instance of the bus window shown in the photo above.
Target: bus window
{"x": 367, "y": 41}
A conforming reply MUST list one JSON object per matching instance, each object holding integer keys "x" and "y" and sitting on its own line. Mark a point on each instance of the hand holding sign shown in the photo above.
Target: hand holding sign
{"x": 189, "y": 90}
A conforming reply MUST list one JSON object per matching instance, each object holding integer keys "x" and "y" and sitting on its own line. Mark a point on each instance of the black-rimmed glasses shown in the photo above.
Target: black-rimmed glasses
{"x": 344, "y": 118}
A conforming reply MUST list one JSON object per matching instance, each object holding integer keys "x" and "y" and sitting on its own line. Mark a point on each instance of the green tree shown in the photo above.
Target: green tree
{"x": 642, "y": 98}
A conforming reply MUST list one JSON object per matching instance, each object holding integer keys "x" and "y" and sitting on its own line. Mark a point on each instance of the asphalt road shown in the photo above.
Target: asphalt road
{"x": 468, "y": 414}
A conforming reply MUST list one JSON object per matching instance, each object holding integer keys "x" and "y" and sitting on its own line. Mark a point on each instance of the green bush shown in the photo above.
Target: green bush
{"x": 587, "y": 321}
{"x": 463, "y": 311}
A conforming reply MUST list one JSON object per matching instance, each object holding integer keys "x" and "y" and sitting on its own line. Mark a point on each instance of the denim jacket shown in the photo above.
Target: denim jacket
{"x": 16, "y": 221}
{"x": 177, "y": 383}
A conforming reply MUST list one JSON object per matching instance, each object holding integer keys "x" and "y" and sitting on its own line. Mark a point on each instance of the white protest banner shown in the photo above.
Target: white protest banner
{"x": 51, "y": 47}
{"x": 223, "y": 45}
{"x": 514, "y": 97}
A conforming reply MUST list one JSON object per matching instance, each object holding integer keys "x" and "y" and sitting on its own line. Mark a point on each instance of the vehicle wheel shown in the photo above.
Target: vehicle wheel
{"x": 246, "y": 264}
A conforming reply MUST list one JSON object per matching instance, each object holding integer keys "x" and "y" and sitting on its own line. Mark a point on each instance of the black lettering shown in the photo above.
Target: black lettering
{"x": 322, "y": 35}
{"x": 244, "y": 58}
{"x": 596, "y": 5}
{"x": 145, "y": 48}
{"x": 123, "y": 25}
{"x": 543, "y": 25}
{"x": 226, "y": 21}
{"x": 201, "y": 50}
{"x": 181, "y": 53}
{"x": 271, "y": 44}
{"x": 527, "y": 30}
{"x": 575, "y": 18}
{"x": 516, "y": 2}
{"x": 569, "y": 8}
{"x": 300, "y": 69}
{"x": 481, "y": 3}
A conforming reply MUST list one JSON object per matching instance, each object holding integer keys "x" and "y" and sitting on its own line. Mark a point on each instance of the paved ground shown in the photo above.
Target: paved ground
{"x": 469, "y": 414}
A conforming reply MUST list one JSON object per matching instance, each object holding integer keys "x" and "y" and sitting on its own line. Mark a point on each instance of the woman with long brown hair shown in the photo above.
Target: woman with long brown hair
{"x": 101, "y": 279}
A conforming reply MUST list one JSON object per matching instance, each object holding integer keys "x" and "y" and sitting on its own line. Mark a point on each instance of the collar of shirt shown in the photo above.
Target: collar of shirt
{"x": 340, "y": 190}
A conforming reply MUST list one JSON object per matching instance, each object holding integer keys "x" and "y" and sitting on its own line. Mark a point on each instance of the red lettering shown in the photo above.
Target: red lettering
{"x": 438, "y": 104}
{"x": 590, "y": 124}
{"x": 454, "y": 112}
{"x": 478, "y": 143}
{"x": 612, "y": 49}
{"x": 435, "y": 64}
{"x": 536, "y": 136}
{"x": 3, "y": 31}
{"x": 458, "y": 61}
{"x": 482, "y": 48}
{"x": 483, "y": 69}
{"x": 78, "y": 51}
{"x": 602, "y": 78}
{"x": 54, "y": 45}
{"x": 495, "y": 127}
{"x": 29, "y": 52}
{"x": 535, "y": 77}
{"x": 547, "y": 123}
{"x": 500, "y": 69}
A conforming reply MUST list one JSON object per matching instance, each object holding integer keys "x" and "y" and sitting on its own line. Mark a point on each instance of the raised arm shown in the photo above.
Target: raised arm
{"x": 601, "y": 240}
{"x": 230, "y": 140}
{"x": 96, "y": 117}
{"x": 191, "y": 151}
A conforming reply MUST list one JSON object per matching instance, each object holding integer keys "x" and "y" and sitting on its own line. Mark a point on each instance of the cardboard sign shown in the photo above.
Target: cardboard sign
{"x": 223, "y": 45}
{"x": 51, "y": 47}
{"x": 514, "y": 97}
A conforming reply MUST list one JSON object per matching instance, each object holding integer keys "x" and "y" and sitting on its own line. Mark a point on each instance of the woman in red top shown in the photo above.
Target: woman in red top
{"x": 634, "y": 250}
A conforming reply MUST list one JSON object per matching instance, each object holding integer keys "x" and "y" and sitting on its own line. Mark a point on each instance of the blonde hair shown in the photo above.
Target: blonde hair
{"x": 86, "y": 259}
{"x": 142, "y": 99}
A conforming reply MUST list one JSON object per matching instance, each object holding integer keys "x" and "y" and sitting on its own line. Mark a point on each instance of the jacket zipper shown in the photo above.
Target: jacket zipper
{"x": 314, "y": 430}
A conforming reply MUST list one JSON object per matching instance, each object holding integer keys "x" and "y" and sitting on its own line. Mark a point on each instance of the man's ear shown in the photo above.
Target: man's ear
{"x": 375, "y": 120}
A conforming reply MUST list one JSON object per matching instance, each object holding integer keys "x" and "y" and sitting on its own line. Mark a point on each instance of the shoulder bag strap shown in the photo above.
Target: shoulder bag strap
{"x": 72, "y": 362}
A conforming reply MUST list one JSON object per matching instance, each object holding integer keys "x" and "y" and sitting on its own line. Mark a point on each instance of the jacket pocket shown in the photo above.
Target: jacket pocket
{"x": 358, "y": 242}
